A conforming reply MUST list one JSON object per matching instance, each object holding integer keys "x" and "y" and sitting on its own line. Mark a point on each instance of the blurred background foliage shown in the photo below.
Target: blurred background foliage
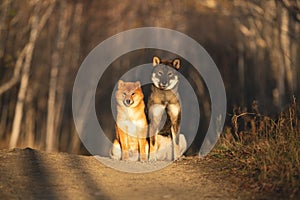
{"x": 255, "y": 44}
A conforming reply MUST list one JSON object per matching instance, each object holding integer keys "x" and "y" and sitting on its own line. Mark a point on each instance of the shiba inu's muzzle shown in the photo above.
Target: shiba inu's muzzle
{"x": 128, "y": 102}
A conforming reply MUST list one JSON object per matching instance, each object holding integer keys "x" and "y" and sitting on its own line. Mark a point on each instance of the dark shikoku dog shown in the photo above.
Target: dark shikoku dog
{"x": 164, "y": 97}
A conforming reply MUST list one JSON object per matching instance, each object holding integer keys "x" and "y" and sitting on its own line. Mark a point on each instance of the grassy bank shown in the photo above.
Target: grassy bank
{"x": 265, "y": 151}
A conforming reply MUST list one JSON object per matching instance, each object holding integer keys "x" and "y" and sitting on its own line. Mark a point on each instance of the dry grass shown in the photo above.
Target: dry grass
{"x": 265, "y": 151}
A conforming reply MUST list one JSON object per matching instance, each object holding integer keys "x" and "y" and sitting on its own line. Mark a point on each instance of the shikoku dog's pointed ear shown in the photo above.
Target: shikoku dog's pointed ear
{"x": 155, "y": 61}
{"x": 176, "y": 63}
{"x": 137, "y": 84}
{"x": 120, "y": 84}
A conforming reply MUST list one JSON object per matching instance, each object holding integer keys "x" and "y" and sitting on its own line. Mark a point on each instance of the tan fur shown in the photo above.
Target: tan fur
{"x": 164, "y": 97}
{"x": 164, "y": 147}
{"x": 131, "y": 123}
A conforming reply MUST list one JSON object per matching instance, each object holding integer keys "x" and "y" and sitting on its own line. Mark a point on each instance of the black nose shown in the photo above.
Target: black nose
{"x": 163, "y": 84}
{"x": 127, "y": 101}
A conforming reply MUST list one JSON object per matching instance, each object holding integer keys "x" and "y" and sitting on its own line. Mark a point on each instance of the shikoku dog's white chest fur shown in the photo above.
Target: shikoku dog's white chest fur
{"x": 164, "y": 97}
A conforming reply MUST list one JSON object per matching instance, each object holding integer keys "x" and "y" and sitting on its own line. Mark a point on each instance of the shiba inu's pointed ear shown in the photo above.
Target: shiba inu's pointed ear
{"x": 156, "y": 61}
{"x": 120, "y": 84}
{"x": 176, "y": 63}
{"x": 137, "y": 84}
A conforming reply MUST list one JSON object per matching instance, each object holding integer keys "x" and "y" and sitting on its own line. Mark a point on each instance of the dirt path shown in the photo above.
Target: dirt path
{"x": 30, "y": 174}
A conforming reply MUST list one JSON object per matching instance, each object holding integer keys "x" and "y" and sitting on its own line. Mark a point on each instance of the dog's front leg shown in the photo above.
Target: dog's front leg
{"x": 143, "y": 144}
{"x": 156, "y": 112}
{"x": 153, "y": 142}
{"x": 174, "y": 112}
{"x": 124, "y": 143}
{"x": 144, "y": 149}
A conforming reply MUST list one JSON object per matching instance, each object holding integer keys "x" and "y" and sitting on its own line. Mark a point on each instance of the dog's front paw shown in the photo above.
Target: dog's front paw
{"x": 125, "y": 155}
{"x": 176, "y": 152}
{"x": 176, "y": 156}
{"x": 152, "y": 157}
{"x": 180, "y": 158}
{"x": 143, "y": 158}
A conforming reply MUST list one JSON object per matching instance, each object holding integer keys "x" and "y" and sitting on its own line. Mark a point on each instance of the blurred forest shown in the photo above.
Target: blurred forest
{"x": 255, "y": 44}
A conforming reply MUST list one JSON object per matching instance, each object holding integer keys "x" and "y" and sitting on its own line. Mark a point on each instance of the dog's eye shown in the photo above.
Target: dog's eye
{"x": 132, "y": 94}
{"x": 160, "y": 73}
{"x": 124, "y": 94}
{"x": 170, "y": 74}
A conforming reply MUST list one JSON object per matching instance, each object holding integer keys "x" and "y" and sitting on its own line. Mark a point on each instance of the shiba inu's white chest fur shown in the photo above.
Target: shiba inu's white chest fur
{"x": 130, "y": 126}
{"x": 130, "y": 122}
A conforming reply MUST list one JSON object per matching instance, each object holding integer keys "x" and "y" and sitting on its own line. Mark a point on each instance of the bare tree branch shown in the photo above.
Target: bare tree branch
{"x": 292, "y": 7}
{"x": 16, "y": 75}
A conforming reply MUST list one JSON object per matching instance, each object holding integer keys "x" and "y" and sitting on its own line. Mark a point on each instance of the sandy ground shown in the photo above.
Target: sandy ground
{"x": 31, "y": 174}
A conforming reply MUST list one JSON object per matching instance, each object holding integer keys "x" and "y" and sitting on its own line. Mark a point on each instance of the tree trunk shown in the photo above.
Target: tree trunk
{"x": 4, "y": 116}
{"x": 286, "y": 53}
{"x": 63, "y": 29}
{"x": 37, "y": 23}
{"x": 30, "y": 120}
{"x": 75, "y": 40}
{"x": 241, "y": 70}
{"x": 3, "y": 17}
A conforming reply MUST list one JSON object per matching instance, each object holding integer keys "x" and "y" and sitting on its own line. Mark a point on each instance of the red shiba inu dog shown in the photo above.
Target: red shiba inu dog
{"x": 131, "y": 123}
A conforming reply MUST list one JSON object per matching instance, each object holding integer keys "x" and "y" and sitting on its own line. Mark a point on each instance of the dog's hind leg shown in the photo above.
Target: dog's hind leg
{"x": 115, "y": 151}
{"x": 182, "y": 144}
